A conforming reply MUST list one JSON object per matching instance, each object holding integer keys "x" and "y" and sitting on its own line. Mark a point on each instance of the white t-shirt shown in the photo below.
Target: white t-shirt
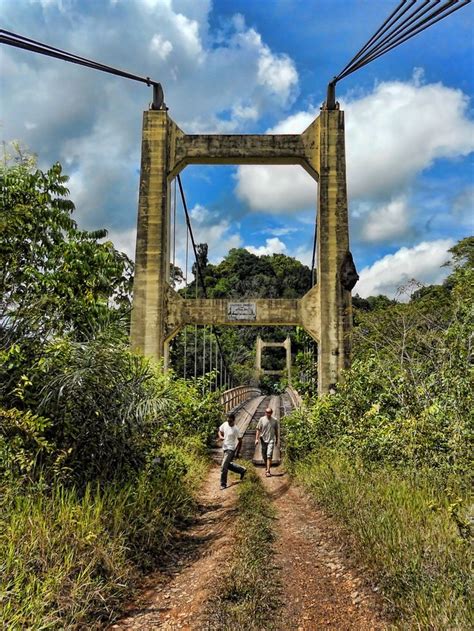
{"x": 231, "y": 436}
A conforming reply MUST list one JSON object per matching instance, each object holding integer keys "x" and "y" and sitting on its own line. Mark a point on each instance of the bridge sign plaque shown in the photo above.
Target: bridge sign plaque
{"x": 241, "y": 311}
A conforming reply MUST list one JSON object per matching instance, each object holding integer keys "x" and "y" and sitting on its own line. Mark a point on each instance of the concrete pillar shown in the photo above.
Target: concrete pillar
{"x": 325, "y": 311}
{"x": 332, "y": 247}
{"x": 152, "y": 254}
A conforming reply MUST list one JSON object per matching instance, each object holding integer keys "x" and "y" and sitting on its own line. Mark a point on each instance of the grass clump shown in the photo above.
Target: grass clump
{"x": 69, "y": 558}
{"x": 413, "y": 535}
{"x": 246, "y": 597}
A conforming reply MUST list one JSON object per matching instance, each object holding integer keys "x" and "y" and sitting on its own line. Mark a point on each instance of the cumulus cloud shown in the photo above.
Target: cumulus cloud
{"x": 91, "y": 122}
{"x": 276, "y": 189}
{"x": 387, "y": 222}
{"x": 279, "y": 188}
{"x": 124, "y": 241}
{"x": 422, "y": 262}
{"x": 272, "y": 246}
{"x": 392, "y": 134}
{"x": 281, "y": 232}
{"x": 161, "y": 46}
{"x": 400, "y": 129}
{"x": 219, "y": 233}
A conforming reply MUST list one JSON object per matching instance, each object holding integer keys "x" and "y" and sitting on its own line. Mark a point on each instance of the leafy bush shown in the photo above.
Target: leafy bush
{"x": 390, "y": 453}
{"x": 408, "y": 398}
{"x": 22, "y": 444}
{"x": 109, "y": 410}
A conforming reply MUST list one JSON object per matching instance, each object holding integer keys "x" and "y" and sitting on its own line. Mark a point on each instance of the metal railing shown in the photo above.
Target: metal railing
{"x": 295, "y": 397}
{"x": 231, "y": 398}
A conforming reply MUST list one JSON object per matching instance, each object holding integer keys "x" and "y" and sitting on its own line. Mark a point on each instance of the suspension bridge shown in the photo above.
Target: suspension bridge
{"x": 321, "y": 587}
{"x": 324, "y": 312}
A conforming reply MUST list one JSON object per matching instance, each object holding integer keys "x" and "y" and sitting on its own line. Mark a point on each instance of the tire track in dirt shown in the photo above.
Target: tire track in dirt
{"x": 174, "y": 597}
{"x": 321, "y": 588}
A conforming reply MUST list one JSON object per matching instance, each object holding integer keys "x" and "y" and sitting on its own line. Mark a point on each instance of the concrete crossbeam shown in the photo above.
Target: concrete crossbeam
{"x": 240, "y": 149}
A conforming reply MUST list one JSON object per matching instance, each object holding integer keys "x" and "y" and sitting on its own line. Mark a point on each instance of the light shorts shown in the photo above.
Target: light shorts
{"x": 267, "y": 448}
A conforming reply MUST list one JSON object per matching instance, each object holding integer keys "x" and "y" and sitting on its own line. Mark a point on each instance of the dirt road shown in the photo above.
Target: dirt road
{"x": 321, "y": 586}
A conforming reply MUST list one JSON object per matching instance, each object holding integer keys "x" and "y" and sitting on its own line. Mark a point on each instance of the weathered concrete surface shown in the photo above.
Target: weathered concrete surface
{"x": 248, "y": 149}
{"x": 335, "y": 313}
{"x": 325, "y": 311}
{"x": 258, "y": 357}
{"x": 152, "y": 253}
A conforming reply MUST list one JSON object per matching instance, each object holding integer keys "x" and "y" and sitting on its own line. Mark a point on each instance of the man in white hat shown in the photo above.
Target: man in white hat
{"x": 267, "y": 433}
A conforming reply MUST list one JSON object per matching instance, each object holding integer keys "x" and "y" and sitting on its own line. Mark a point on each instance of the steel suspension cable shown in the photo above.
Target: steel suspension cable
{"x": 403, "y": 37}
{"x": 377, "y": 34}
{"x": 186, "y": 263}
{"x": 174, "y": 230}
{"x": 203, "y": 354}
{"x": 395, "y": 29}
{"x": 401, "y": 25}
{"x": 198, "y": 267}
{"x": 417, "y": 14}
{"x": 216, "y": 359}
{"x": 195, "y": 337}
{"x": 210, "y": 359}
{"x": 19, "y": 41}
{"x": 313, "y": 259}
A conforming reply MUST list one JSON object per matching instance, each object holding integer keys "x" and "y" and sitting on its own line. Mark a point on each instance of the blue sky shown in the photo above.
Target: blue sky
{"x": 247, "y": 66}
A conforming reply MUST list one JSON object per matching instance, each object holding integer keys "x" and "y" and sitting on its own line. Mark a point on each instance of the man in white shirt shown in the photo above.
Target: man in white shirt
{"x": 267, "y": 433}
{"x": 230, "y": 434}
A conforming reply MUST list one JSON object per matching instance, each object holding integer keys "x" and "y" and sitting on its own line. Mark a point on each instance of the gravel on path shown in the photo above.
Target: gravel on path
{"x": 321, "y": 588}
{"x": 174, "y": 597}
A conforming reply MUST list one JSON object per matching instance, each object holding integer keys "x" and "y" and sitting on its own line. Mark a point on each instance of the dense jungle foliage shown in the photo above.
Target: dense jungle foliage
{"x": 390, "y": 454}
{"x": 241, "y": 276}
{"x": 100, "y": 452}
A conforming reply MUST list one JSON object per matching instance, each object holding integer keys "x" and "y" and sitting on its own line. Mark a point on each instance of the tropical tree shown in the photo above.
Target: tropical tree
{"x": 54, "y": 278}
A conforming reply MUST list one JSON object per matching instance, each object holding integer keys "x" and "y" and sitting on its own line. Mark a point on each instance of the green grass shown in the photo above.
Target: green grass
{"x": 413, "y": 537}
{"x": 69, "y": 560}
{"x": 246, "y": 597}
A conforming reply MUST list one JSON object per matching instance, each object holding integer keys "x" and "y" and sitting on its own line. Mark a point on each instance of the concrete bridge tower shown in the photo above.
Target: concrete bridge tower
{"x": 324, "y": 312}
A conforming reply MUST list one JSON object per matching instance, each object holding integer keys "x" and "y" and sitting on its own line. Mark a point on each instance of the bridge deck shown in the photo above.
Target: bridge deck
{"x": 247, "y": 416}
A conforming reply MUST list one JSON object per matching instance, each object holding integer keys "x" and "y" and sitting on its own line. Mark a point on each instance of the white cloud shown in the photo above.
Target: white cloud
{"x": 295, "y": 124}
{"x": 188, "y": 32}
{"x": 281, "y": 232}
{"x": 91, "y": 121}
{"x": 277, "y": 72}
{"x": 279, "y": 188}
{"x": 387, "y": 222}
{"x": 124, "y": 241}
{"x": 272, "y": 246}
{"x": 392, "y": 134}
{"x": 161, "y": 46}
{"x": 422, "y": 262}
{"x": 219, "y": 233}
{"x": 245, "y": 113}
{"x": 303, "y": 254}
{"x": 400, "y": 129}
{"x": 276, "y": 189}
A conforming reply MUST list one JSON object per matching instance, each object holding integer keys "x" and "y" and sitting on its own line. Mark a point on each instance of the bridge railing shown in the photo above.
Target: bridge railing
{"x": 295, "y": 397}
{"x": 231, "y": 398}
